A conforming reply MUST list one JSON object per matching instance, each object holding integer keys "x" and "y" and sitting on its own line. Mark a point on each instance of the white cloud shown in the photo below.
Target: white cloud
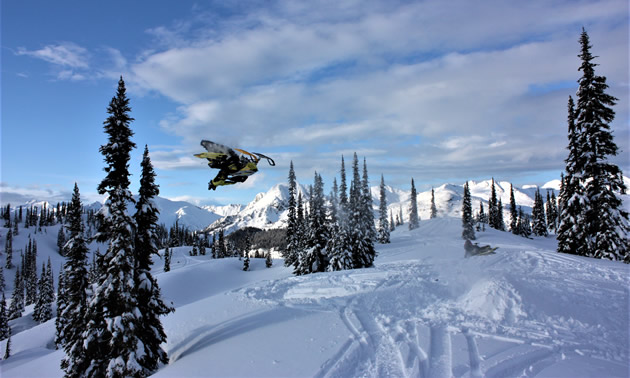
{"x": 66, "y": 54}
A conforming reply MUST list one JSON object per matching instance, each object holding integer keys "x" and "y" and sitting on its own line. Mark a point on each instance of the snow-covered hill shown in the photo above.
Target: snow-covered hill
{"x": 421, "y": 311}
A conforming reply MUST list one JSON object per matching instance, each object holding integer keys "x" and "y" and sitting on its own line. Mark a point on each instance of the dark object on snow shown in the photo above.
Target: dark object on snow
{"x": 232, "y": 167}
{"x": 476, "y": 250}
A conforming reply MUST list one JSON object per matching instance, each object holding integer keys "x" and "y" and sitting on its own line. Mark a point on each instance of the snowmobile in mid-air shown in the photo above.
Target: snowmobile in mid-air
{"x": 476, "y": 250}
{"x": 235, "y": 165}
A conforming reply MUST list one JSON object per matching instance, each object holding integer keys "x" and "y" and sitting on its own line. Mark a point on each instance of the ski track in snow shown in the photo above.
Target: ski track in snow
{"x": 404, "y": 319}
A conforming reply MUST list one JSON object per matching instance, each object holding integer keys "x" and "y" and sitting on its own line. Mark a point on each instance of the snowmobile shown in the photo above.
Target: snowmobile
{"x": 235, "y": 165}
{"x": 476, "y": 250}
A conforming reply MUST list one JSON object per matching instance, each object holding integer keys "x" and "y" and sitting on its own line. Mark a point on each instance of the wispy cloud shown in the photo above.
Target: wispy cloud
{"x": 66, "y": 54}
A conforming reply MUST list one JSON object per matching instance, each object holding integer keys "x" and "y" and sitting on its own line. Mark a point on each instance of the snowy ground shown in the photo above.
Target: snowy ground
{"x": 423, "y": 310}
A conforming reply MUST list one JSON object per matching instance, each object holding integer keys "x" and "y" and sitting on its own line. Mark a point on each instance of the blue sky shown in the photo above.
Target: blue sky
{"x": 441, "y": 91}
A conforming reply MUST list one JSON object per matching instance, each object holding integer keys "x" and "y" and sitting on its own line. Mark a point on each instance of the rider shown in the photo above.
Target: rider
{"x": 232, "y": 169}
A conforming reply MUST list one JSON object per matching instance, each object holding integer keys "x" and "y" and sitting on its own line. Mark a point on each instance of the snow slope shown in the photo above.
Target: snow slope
{"x": 423, "y": 310}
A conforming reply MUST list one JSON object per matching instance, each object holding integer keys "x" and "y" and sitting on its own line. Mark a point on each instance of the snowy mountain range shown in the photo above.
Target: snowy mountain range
{"x": 269, "y": 209}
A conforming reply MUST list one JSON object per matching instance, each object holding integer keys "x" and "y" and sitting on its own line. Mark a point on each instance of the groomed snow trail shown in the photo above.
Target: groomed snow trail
{"x": 424, "y": 310}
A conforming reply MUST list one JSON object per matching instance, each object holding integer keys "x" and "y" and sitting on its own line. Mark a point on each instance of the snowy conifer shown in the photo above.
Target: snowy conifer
{"x": 2, "y": 283}
{"x": 572, "y": 237}
{"x": 433, "y": 207}
{"x": 167, "y": 260}
{"x": 493, "y": 208}
{"x": 150, "y": 333}
{"x": 76, "y": 288}
{"x": 383, "y": 222}
{"x": 4, "y": 319}
{"x": 111, "y": 342}
{"x": 8, "y": 249}
{"x": 43, "y": 305}
{"x": 539, "y": 224}
{"x": 607, "y": 225}
{"x": 513, "y": 212}
{"x": 360, "y": 224}
{"x": 468, "y": 232}
{"x": 17, "y": 298}
{"x": 367, "y": 207}
{"x": 414, "y": 219}
{"x": 314, "y": 258}
{"x": 290, "y": 255}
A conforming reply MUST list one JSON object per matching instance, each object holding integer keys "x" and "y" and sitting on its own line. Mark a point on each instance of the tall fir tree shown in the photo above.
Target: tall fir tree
{"x": 43, "y": 305}
{"x": 414, "y": 219}
{"x": 4, "y": 319}
{"x": 167, "y": 259}
{"x": 607, "y": 226}
{"x": 383, "y": 221}
{"x": 468, "y": 232}
{"x": 76, "y": 289}
{"x": 111, "y": 342}
{"x": 539, "y": 224}
{"x": 17, "y": 298}
{"x": 571, "y": 229}
{"x": 361, "y": 233}
{"x": 8, "y": 249}
{"x": 290, "y": 255}
{"x": 338, "y": 247}
{"x": 513, "y": 212}
{"x": 493, "y": 208}
{"x": 433, "y": 207}
{"x": 151, "y": 332}
{"x": 314, "y": 258}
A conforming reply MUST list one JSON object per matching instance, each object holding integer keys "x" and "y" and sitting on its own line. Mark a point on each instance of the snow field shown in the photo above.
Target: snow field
{"x": 421, "y": 311}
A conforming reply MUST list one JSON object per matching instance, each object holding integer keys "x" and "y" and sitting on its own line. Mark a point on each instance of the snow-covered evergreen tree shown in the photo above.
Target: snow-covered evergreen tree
{"x": 493, "y": 208}
{"x": 551, "y": 208}
{"x": 433, "y": 207}
{"x": 318, "y": 227}
{"x": 291, "y": 253}
{"x": 7, "y": 349}
{"x": 8, "y": 249}
{"x": 2, "y": 283}
{"x": 383, "y": 222}
{"x": 513, "y": 212}
{"x": 524, "y": 224}
{"x": 111, "y": 343}
{"x": 482, "y": 218}
{"x": 76, "y": 289}
{"x": 17, "y": 298}
{"x": 4, "y": 319}
{"x": 367, "y": 207}
{"x": 149, "y": 302}
{"x": 607, "y": 226}
{"x": 246, "y": 261}
{"x": 414, "y": 219}
{"x": 539, "y": 224}
{"x": 43, "y": 305}
{"x": 468, "y": 232}
{"x": 360, "y": 224}
{"x": 167, "y": 260}
{"x": 572, "y": 237}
